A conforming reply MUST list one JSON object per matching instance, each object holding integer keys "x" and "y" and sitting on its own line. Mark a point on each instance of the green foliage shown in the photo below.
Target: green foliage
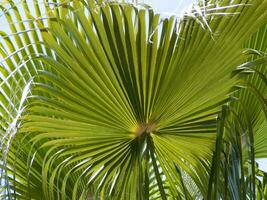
{"x": 106, "y": 100}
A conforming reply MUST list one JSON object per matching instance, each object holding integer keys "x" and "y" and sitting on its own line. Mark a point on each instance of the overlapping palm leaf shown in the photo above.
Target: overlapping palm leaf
{"x": 245, "y": 133}
{"x": 110, "y": 101}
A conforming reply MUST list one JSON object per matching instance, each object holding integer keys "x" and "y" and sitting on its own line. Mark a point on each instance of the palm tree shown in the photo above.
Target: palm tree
{"x": 108, "y": 100}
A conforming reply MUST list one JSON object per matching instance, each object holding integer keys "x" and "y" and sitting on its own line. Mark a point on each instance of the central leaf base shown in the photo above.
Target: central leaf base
{"x": 145, "y": 128}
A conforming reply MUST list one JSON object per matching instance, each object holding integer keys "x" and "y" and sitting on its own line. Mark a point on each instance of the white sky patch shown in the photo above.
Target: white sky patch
{"x": 170, "y": 7}
{"x": 262, "y": 164}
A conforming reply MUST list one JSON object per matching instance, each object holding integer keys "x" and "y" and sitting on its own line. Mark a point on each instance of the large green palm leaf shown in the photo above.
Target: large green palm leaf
{"x": 113, "y": 102}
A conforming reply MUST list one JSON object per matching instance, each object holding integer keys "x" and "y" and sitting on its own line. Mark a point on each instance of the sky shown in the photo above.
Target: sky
{"x": 170, "y": 6}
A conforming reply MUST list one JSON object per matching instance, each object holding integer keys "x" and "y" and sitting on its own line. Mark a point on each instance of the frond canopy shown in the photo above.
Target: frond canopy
{"x": 112, "y": 101}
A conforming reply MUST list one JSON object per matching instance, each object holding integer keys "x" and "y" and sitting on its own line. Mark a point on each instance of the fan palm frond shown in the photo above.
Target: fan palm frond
{"x": 108, "y": 100}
